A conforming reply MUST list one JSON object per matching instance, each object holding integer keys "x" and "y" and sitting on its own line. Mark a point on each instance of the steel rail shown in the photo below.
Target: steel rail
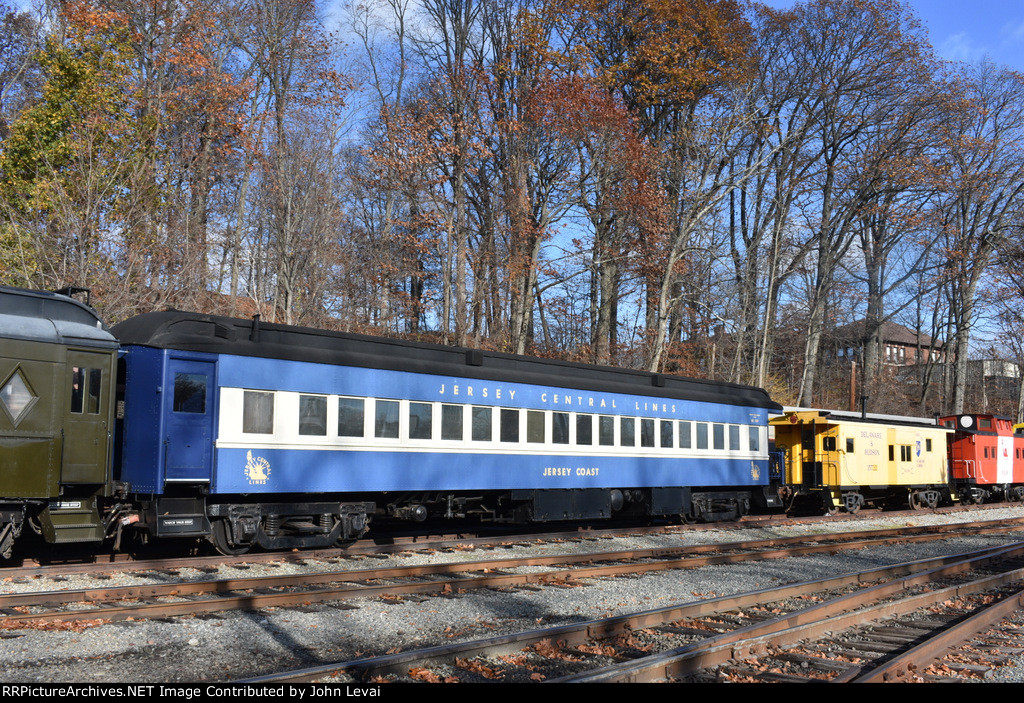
{"x": 568, "y": 635}
{"x": 251, "y": 592}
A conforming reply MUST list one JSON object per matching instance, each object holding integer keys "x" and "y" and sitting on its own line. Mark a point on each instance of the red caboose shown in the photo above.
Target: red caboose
{"x": 986, "y": 458}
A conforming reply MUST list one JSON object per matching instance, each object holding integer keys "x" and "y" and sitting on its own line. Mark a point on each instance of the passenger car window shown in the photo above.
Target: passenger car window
{"x": 684, "y": 434}
{"x": 509, "y": 425}
{"x": 350, "y": 417}
{"x": 584, "y": 429}
{"x": 385, "y": 424}
{"x": 482, "y": 424}
{"x": 606, "y": 431}
{"x": 627, "y": 432}
{"x": 718, "y": 434}
{"x": 420, "y": 421}
{"x": 734, "y": 438}
{"x": 451, "y": 422}
{"x": 560, "y": 428}
{"x": 702, "y": 435}
{"x": 667, "y": 438}
{"x": 646, "y": 432}
{"x": 313, "y": 415}
{"x": 258, "y": 412}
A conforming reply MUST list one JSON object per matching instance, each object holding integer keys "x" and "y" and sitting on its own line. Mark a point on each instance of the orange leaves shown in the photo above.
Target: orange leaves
{"x": 552, "y": 650}
{"x": 478, "y": 668}
{"x": 427, "y": 676}
{"x": 657, "y": 52}
{"x": 55, "y": 626}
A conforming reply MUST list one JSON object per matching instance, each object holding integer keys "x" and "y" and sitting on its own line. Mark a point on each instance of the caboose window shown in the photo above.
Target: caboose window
{"x": 754, "y": 435}
{"x": 482, "y": 425}
{"x": 509, "y": 425}
{"x": 606, "y": 431}
{"x": 560, "y": 428}
{"x": 646, "y": 432}
{"x": 927, "y": 445}
{"x": 350, "y": 417}
{"x": 313, "y": 415}
{"x": 189, "y": 393}
{"x": 584, "y": 429}
{"x": 627, "y": 432}
{"x": 421, "y": 421}
{"x": 386, "y": 415}
{"x": 451, "y": 422}
{"x": 718, "y": 432}
{"x": 667, "y": 438}
{"x": 258, "y": 412}
{"x": 849, "y": 445}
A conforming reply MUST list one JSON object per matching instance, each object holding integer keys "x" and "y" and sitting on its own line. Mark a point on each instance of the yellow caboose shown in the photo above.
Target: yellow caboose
{"x": 847, "y": 461}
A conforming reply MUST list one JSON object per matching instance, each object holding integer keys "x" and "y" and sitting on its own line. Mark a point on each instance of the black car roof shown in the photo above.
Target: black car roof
{"x": 225, "y": 335}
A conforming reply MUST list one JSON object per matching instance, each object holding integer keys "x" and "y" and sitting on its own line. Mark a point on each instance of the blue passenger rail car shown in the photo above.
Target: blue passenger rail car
{"x": 275, "y": 435}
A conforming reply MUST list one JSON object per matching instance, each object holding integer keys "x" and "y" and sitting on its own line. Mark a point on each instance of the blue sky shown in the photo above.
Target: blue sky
{"x": 968, "y": 30}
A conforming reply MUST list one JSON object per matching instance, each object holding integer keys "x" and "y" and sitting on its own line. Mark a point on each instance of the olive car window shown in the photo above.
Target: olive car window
{"x": 95, "y": 387}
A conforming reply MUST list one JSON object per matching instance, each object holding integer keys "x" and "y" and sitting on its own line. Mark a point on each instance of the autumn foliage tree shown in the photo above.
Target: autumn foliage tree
{"x": 117, "y": 161}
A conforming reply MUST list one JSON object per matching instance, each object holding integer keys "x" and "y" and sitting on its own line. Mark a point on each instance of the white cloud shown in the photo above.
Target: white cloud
{"x": 958, "y": 47}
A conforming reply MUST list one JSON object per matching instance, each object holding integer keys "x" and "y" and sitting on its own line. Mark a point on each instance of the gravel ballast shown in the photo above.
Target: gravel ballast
{"x": 237, "y": 645}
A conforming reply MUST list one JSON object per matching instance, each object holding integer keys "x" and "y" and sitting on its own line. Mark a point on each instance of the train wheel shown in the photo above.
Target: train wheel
{"x": 914, "y": 500}
{"x": 219, "y": 538}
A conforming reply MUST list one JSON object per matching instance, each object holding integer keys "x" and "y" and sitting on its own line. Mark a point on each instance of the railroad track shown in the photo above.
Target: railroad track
{"x": 888, "y": 624}
{"x": 208, "y": 595}
{"x": 384, "y": 543}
